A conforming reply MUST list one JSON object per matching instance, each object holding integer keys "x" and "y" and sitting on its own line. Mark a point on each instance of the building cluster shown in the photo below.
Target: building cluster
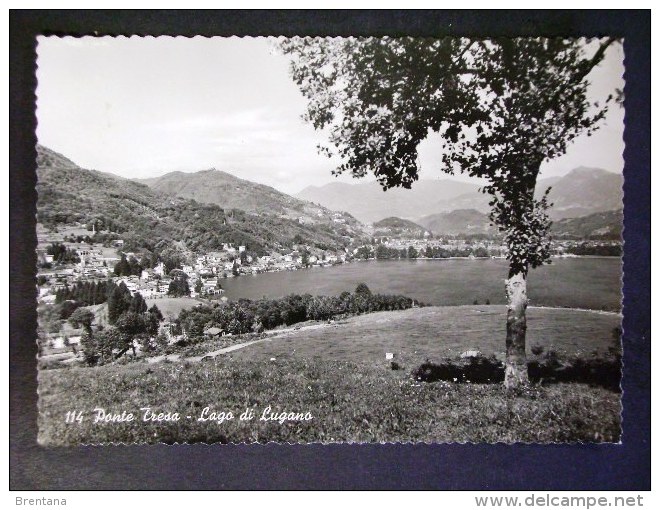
{"x": 203, "y": 274}
{"x": 494, "y": 247}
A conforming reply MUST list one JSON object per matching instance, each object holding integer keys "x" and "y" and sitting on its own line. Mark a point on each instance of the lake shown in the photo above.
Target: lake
{"x": 593, "y": 283}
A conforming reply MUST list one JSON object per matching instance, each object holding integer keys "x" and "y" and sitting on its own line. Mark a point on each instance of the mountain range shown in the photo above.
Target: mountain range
{"x": 470, "y": 222}
{"x": 458, "y": 222}
{"x": 581, "y": 192}
{"x": 151, "y": 220}
{"x": 211, "y": 206}
{"x": 601, "y": 225}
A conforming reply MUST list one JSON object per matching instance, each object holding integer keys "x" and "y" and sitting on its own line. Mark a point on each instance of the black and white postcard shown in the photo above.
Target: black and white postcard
{"x": 372, "y": 240}
{"x": 329, "y": 239}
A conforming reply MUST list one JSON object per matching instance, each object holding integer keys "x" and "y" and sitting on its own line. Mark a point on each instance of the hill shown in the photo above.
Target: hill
{"x": 398, "y": 227}
{"x": 584, "y": 191}
{"x": 600, "y": 225}
{"x": 581, "y": 192}
{"x": 368, "y": 202}
{"x": 147, "y": 219}
{"x": 230, "y": 192}
{"x": 458, "y": 222}
{"x": 603, "y": 225}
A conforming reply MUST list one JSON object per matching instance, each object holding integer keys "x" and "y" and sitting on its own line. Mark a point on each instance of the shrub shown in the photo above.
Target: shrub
{"x": 478, "y": 369}
{"x": 603, "y": 371}
{"x": 362, "y": 290}
{"x": 537, "y": 350}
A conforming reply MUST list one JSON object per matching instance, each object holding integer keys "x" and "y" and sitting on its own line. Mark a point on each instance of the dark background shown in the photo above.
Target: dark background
{"x": 342, "y": 466}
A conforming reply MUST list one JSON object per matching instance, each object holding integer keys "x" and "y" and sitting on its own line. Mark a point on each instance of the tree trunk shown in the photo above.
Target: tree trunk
{"x": 515, "y": 374}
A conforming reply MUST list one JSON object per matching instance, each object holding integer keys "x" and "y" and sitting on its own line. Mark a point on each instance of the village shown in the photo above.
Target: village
{"x": 94, "y": 262}
{"x": 204, "y": 273}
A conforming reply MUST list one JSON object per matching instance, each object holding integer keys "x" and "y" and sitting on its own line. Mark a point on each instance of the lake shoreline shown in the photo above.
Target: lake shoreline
{"x": 590, "y": 282}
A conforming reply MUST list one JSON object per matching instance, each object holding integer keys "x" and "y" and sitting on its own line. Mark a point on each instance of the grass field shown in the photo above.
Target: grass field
{"x": 338, "y": 373}
{"x": 353, "y": 402}
{"x": 171, "y": 306}
{"x": 437, "y": 332}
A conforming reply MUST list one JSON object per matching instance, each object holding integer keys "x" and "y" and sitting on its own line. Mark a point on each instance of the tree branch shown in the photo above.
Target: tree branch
{"x": 593, "y": 62}
{"x": 596, "y": 59}
{"x": 454, "y": 63}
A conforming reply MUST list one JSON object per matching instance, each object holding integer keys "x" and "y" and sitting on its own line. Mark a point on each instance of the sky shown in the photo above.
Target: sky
{"x": 144, "y": 106}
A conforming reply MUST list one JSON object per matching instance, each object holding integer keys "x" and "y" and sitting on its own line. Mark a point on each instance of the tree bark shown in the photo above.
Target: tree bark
{"x": 515, "y": 371}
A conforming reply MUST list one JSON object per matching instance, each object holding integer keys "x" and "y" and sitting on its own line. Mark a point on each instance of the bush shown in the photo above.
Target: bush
{"x": 537, "y": 350}
{"x": 362, "y": 290}
{"x": 599, "y": 370}
{"x": 478, "y": 369}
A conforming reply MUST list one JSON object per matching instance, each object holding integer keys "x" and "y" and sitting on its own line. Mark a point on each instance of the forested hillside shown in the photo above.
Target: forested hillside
{"x": 150, "y": 220}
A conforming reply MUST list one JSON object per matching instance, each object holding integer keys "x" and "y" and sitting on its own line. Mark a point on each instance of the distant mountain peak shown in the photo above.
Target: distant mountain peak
{"x": 588, "y": 171}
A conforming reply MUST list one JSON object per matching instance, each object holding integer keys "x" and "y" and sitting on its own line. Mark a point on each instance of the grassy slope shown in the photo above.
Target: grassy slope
{"x": 355, "y": 397}
{"x": 434, "y": 332}
{"x": 349, "y": 402}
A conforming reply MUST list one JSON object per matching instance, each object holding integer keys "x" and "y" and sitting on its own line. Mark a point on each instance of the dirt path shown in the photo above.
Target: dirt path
{"x": 272, "y": 335}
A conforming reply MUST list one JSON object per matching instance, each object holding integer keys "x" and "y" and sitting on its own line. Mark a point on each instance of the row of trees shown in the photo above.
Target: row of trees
{"x": 128, "y": 267}
{"x": 246, "y": 315}
{"x": 85, "y": 293}
{"x": 601, "y": 250}
{"x": 118, "y": 297}
{"x": 382, "y": 252}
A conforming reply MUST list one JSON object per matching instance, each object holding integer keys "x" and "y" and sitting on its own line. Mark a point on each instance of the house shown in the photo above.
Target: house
{"x": 211, "y": 287}
{"x": 213, "y": 332}
{"x": 160, "y": 269}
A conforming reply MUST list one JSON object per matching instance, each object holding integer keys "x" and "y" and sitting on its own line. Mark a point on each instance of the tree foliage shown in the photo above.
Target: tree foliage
{"x": 179, "y": 284}
{"x": 85, "y": 293}
{"x": 362, "y": 290}
{"x": 128, "y": 267}
{"x": 61, "y": 254}
{"x": 83, "y": 318}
